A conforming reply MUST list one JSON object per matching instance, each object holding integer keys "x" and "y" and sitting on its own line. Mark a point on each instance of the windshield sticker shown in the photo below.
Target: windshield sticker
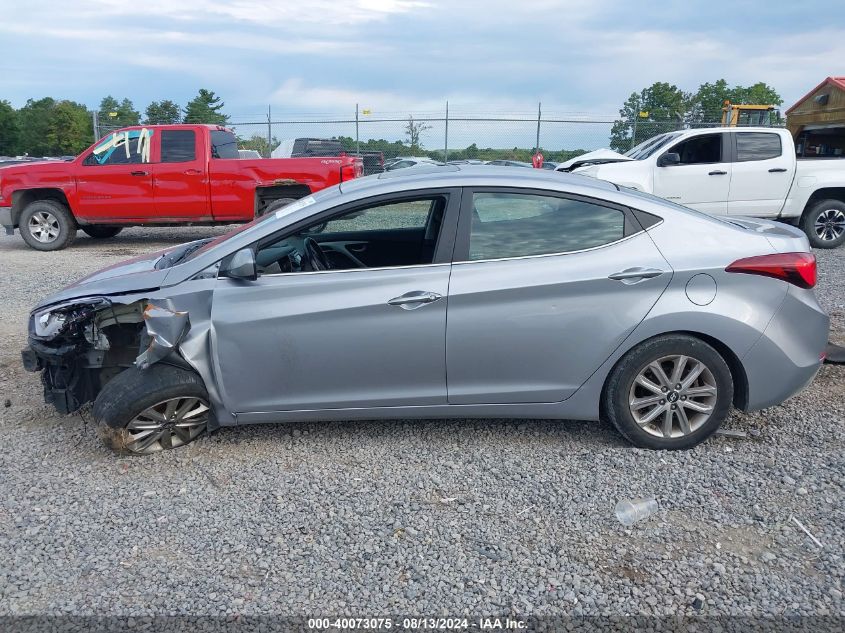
{"x": 123, "y": 140}
{"x": 295, "y": 206}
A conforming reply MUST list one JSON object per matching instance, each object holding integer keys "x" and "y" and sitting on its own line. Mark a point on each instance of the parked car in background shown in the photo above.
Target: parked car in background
{"x": 456, "y": 292}
{"x": 549, "y": 164}
{"x": 732, "y": 171}
{"x": 410, "y": 161}
{"x": 510, "y": 163}
{"x": 158, "y": 175}
{"x": 309, "y": 147}
{"x": 248, "y": 153}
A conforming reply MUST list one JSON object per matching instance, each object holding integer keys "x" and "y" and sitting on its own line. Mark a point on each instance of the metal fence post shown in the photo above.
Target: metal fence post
{"x": 269, "y": 132}
{"x": 446, "y": 138}
{"x": 95, "y": 119}
{"x": 357, "y": 137}
{"x": 539, "y": 115}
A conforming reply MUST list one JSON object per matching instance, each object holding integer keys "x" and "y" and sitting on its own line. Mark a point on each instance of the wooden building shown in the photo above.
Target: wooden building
{"x": 817, "y": 121}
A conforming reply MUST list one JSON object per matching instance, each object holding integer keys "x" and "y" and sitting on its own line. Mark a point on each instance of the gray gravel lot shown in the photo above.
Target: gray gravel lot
{"x": 426, "y": 518}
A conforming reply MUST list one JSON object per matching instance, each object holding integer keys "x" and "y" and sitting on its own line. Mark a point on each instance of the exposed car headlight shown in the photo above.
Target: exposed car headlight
{"x": 54, "y": 320}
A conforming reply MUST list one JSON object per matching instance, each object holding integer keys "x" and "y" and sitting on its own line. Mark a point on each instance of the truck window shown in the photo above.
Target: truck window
{"x": 224, "y": 144}
{"x": 757, "y": 146}
{"x": 706, "y": 148}
{"x": 178, "y": 146}
{"x": 129, "y": 147}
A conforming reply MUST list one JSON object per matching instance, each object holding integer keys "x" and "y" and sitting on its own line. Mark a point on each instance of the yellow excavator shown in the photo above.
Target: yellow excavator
{"x": 742, "y": 115}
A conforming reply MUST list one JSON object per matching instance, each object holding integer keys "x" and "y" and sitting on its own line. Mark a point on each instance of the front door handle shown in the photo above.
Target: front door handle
{"x": 414, "y": 299}
{"x": 775, "y": 170}
{"x": 717, "y": 172}
{"x": 192, "y": 172}
{"x": 139, "y": 173}
{"x": 635, "y": 275}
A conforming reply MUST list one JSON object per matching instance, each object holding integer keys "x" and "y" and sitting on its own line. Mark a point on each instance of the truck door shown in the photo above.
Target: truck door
{"x": 180, "y": 179}
{"x": 762, "y": 174}
{"x": 114, "y": 180}
{"x": 702, "y": 179}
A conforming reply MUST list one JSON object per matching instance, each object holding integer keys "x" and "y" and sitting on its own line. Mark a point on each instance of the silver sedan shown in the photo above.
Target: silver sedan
{"x": 443, "y": 292}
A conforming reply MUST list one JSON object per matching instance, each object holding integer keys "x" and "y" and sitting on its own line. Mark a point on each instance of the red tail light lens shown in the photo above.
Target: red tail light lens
{"x": 794, "y": 268}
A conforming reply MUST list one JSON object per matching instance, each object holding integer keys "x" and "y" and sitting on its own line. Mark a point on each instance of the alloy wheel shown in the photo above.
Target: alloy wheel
{"x": 166, "y": 425}
{"x": 673, "y": 396}
{"x": 830, "y": 224}
{"x": 44, "y": 227}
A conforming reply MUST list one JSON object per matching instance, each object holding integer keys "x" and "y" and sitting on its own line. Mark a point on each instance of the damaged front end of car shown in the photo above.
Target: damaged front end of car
{"x": 81, "y": 344}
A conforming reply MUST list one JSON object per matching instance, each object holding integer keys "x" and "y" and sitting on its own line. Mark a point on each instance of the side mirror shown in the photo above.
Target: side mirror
{"x": 241, "y": 265}
{"x": 668, "y": 159}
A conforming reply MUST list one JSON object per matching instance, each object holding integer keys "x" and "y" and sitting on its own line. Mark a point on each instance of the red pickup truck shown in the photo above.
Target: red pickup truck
{"x": 157, "y": 175}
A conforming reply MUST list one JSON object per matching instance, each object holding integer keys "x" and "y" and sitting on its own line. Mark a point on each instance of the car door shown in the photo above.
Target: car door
{"x": 349, "y": 337}
{"x": 180, "y": 180}
{"x": 702, "y": 179}
{"x": 544, "y": 287}
{"x": 114, "y": 181}
{"x": 762, "y": 174}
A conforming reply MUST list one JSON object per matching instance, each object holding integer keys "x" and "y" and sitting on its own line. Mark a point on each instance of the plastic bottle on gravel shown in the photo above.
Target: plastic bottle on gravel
{"x": 630, "y": 511}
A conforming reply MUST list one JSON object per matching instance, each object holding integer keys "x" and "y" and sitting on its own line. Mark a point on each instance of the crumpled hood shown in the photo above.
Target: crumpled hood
{"x": 132, "y": 275}
{"x": 603, "y": 155}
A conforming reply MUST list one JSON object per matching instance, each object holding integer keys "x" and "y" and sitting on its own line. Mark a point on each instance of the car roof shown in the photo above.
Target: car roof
{"x": 432, "y": 176}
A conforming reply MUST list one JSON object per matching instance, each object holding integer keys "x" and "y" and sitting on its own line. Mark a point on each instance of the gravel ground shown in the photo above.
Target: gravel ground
{"x": 426, "y": 518}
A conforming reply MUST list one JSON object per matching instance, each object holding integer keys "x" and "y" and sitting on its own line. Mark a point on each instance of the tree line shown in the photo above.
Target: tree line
{"x": 60, "y": 127}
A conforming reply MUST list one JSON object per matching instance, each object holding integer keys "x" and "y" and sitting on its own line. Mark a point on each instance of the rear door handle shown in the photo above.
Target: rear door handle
{"x": 717, "y": 172}
{"x": 192, "y": 172}
{"x": 414, "y": 299}
{"x": 139, "y": 173}
{"x": 633, "y": 275}
{"x": 775, "y": 170}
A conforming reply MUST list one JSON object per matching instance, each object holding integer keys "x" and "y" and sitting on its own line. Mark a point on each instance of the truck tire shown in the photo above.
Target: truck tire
{"x": 47, "y": 225}
{"x": 143, "y": 411}
{"x": 824, "y": 223}
{"x": 101, "y": 231}
{"x": 275, "y": 205}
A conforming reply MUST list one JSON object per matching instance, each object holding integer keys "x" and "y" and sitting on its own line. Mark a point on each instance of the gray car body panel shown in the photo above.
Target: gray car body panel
{"x": 304, "y": 346}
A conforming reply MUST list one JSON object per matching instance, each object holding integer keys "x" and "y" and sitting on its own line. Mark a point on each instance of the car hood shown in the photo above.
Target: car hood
{"x": 603, "y": 155}
{"x": 133, "y": 275}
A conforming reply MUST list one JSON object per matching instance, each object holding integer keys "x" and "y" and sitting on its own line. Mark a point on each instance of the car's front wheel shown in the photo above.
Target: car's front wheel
{"x": 47, "y": 225}
{"x": 143, "y": 411}
{"x": 670, "y": 392}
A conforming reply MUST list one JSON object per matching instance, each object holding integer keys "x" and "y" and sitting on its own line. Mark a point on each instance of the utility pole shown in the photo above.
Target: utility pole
{"x": 269, "y": 132}
{"x": 446, "y": 139}
{"x": 95, "y": 118}
{"x": 357, "y": 138}
{"x": 539, "y": 115}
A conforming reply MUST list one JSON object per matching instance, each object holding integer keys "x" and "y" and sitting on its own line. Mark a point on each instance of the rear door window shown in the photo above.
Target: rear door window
{"x": 178, "y": 146}
{"x": 757, "y": 146}
{"x": 520, "y": 225}
{"x": 224, "y": 144}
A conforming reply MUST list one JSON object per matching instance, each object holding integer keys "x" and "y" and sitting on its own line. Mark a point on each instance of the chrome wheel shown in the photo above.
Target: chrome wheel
{"x": 830, "y": 224}
{"x": 44, "y": 227}
{"x": 168, "y": 424}
{"x": 673, "y": 396}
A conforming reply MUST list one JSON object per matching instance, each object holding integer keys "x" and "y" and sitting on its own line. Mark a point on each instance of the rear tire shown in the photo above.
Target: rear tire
{"x": 144, "y": 411}
{"x": 101, "y": 231}
{"x": 275, "y": 205}
{"x": 47, "y": 225}
{"x": 642, "y": 399}
{"x": 824, "y": 224}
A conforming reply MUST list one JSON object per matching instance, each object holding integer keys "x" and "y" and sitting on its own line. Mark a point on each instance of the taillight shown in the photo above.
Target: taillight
{"x": 794, "y": 268}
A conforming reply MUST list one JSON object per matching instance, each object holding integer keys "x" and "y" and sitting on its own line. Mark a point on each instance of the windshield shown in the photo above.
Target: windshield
{"x": 650, "y": 146}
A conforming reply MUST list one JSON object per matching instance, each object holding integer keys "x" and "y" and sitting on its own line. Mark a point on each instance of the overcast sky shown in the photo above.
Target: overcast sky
{"x": 315, "y": 57}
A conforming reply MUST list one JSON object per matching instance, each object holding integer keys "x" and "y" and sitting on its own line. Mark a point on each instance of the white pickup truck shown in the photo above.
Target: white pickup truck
{"x": 732, "y": 171}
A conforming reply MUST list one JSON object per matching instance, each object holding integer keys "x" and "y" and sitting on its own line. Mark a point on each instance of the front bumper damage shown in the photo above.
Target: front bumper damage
{"x": 80, "y": 345}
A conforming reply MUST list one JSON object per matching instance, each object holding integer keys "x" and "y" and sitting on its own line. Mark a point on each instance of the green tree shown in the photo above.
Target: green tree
{"x": 53, "y": 128}
{"x": 9, "y": 131}
{"x": 663, "y": 107}
{"x": 162, "y": 113}
{"x": 705, "y": 106}
{"x": 206, "y": 107}
{"x": 124, "y": 113}
{"x": 413, "y": 131}
{"x": 33, "y": 120}
{"x": 259, "y": 144}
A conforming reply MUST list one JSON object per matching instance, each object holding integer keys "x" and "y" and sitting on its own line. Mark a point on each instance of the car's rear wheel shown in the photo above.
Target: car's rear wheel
{"x": 47, "y": 225}
{"x": 275, "y": 205}
{"x": 670, "y": 392}
{"x": 824, "y": 224}
{"x": 101, "y": 231}
{"x": 140, "y": 412}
